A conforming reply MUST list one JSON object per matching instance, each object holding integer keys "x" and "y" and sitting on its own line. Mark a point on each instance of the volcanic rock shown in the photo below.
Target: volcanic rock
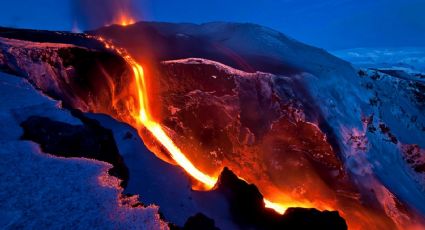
{"x": 248, "y": 209}
{"x": 85, "y": 77}
{"x": 89, "y": 141}
{"x": 199, "y": 221}
{"x": 220, "y": 117}
{"x": 414, "y": 156}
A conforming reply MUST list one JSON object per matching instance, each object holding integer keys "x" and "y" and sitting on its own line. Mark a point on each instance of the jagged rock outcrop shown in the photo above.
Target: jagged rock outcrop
{"x": 89, "y": 141}
{"x": 82, "y": 77}
{"x": 199, "y": 221}
{"x": 221, "y": 117}
{"x": 247, "y": 207}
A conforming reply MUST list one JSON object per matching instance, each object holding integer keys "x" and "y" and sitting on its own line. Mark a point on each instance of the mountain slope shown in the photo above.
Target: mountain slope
{"x": 306, "y": 110}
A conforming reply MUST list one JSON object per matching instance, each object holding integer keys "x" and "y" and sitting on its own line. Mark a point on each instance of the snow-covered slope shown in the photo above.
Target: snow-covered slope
{"x": 40, "y": 191}
{"x": 376, "y": 164}
{"x": 396, "y": 125}
{"x": 161, "y": 183}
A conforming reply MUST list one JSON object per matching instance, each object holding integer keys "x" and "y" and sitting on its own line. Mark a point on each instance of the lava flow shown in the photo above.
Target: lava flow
{"x": 143, "y": 118}
{"x": 159, "y": 134}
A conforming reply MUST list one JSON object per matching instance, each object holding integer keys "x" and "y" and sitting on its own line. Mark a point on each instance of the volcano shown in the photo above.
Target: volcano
{"x": 218, "y": 125}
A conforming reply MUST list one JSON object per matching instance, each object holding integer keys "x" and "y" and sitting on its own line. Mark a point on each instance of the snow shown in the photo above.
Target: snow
{"x": 344, "y": 100}
{"x": 40, "y": 191}
{"x": 31, "y": 45}
{"x": 44, "y": 192}
{"x": 159, "y": 182}
{"x": 19, "y": 100}
{"x": 398, "y": 110}
{"x": 227, "y": 69}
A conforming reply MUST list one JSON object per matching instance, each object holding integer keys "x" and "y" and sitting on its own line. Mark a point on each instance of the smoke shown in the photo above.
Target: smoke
{"x": 91, "y": 14}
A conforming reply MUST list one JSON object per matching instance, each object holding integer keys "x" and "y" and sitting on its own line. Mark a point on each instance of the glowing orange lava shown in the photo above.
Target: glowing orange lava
{"x": 144, "y": 119}
{"x": 279, "y": 208}
{"x": 160, "y": 135}
{"x": 123, "y": 18}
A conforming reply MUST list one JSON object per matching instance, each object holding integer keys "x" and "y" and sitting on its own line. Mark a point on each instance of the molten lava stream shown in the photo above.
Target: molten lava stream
{"x": 160, "y": 135}
{"x": 143, "y": 118}
{"x": 158, "y": 132}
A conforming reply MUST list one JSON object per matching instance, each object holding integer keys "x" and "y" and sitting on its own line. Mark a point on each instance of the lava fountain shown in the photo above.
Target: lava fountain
{"x": 124, "y": 19}
{"x": 95, "y": 13}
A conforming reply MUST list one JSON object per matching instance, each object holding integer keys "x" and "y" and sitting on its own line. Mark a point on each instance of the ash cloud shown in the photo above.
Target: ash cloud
{"x": 91, "y": 14}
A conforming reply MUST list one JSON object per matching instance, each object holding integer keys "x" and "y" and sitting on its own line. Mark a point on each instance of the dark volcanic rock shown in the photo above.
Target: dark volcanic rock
{"x": 89, "y": 141}
{"x": 247, "y": 208}
{"x": 415, "y": 157}
{"x": 198, "y": 222}
{"x": 301, "y": 218}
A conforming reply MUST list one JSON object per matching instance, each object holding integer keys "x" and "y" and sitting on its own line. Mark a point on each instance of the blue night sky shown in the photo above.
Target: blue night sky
{"x": 330, "y": 24}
